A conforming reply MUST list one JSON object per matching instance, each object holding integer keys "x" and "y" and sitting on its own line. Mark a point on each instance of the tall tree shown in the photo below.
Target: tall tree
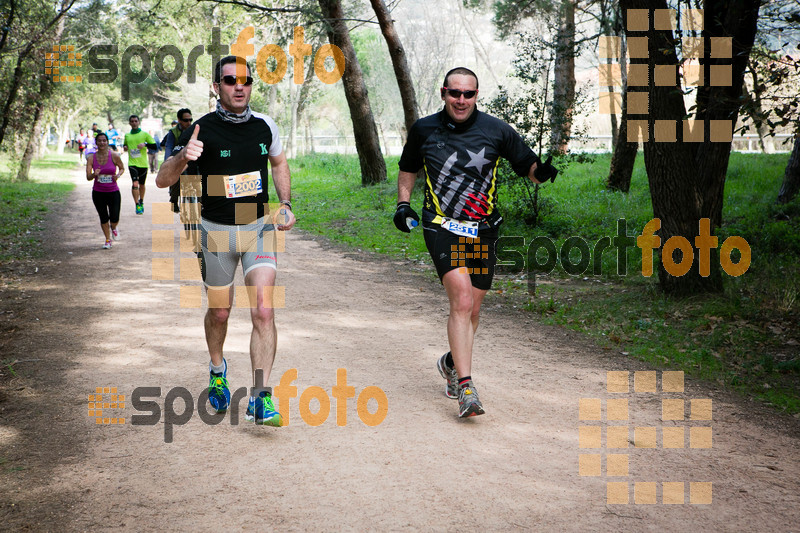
{"x": 791, "y": 179}
{"x": 398, "y": 54}
{"x": 563, "y": 80}
{"x": 624, "y": 156}
{"x": 687, "y": 178}
{"x": 373, "y": 166}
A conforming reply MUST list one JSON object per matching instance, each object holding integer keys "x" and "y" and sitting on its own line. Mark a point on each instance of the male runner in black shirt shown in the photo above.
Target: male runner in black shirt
{"x": 459, "y": 148}
{"x": 231, "y": 150}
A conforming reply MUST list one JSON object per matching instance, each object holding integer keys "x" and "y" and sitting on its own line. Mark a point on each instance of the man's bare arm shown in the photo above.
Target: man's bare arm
{"x": 405, "y": 184}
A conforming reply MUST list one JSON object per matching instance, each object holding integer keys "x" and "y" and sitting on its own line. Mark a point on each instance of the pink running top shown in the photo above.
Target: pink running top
{"x": 105, "y": 182}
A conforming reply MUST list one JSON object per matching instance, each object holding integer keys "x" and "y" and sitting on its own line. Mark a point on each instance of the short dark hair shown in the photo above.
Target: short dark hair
{"x": 134, "y": 116}
{"x": 99, "y": 134}
{"x": 227, "y": 60}
{"x": 182, "y": 111}
{"x": 460, "y": 70}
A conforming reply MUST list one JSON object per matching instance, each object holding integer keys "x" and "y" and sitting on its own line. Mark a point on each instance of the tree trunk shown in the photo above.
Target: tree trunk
{"x": 687, "y": 179}
{"x": 310, "y": 136}
{"x": 737, "y": 19}
{"x": 624, "y": 157}
{"x": 302, "y": 101}
{"x": 273, "y": 99}
{"x": 12, "y": 6}
{"x": 564, "y": 81}
{"x": 12, "y": 96}
{"x": 401, "y": 71}
{"x": 30, "y": 148}
{"x": 791, "y": 179}
{"x": 63, "y": 129}
{"x": 755, "y": 110}
{"x": 373, "y": 166}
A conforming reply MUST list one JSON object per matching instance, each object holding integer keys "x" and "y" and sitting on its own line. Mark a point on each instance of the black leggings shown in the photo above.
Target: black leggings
{"x": 107, "y": 205}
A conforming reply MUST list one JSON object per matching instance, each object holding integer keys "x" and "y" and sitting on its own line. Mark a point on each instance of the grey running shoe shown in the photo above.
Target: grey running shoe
{"x": 450, "y": 374}
{"x": 468, "y": 402}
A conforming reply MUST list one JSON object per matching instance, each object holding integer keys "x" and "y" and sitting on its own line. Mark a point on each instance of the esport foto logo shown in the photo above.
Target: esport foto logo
{"x": 107, "y": 406}
{"x": 135, "y": 63}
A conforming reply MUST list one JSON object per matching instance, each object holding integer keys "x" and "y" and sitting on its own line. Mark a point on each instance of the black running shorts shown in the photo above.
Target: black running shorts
{"x": 138, "y": 174}
{"x": 450, "y": 251}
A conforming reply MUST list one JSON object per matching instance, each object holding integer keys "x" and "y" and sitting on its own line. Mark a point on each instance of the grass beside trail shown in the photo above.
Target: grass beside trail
{"x": 24, "y": 204}
{"x": 747, "y": 338}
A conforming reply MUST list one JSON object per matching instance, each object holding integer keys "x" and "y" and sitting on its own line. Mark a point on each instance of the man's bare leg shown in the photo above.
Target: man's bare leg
{"x": 264, "y": 337}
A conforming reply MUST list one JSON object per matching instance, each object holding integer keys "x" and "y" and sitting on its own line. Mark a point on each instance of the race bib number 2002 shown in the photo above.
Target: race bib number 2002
{"x": 461, "y": 228}
{"x": 247, "y": 184}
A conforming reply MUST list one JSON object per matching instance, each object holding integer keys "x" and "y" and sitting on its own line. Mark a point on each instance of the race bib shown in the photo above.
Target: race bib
{"x": 105, "y": 178}
{"x": 247, "y": 184}
{"x": 461, "y": 228}
{"x": 135, "y": 152}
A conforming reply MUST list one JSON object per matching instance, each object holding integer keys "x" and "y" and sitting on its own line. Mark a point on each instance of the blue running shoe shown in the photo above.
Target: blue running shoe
{"x": 265, "y": 412}
{"x": 219, "y": 394}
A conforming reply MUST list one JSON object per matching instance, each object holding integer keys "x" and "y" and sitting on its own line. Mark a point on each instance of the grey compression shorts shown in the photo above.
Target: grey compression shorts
{"x": 223, "y": 246}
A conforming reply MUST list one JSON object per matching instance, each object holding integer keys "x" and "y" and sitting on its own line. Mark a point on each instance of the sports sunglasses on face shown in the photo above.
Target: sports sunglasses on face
{"x": 455, "y": 93}
{"x": 232, "y": 80}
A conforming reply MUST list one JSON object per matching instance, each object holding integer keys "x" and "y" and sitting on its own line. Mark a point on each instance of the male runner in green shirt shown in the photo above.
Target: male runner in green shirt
{"x": 136, "y": 144}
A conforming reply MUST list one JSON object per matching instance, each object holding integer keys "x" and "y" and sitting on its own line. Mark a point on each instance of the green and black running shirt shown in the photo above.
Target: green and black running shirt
{"x": 460, "y": 162}
{"x": 234, "y": 165}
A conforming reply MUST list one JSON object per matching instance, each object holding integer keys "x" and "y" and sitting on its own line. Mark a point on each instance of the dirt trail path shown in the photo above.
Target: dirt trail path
{"x": 103, "y": 322}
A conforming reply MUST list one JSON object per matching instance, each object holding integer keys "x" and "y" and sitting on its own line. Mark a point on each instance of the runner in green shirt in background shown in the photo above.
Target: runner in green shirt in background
{"x": 136, "y": 144}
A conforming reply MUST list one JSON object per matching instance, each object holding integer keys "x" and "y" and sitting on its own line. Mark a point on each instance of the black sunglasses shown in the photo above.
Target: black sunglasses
{"x": 455, "y": 93}
{"x": 186, "y": 119}
{"x": 232, "y": 80}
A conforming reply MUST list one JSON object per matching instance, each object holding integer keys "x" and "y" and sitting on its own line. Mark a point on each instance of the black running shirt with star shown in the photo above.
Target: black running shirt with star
{"x": 233, "y": 150}
{"x": 460, "y": 162}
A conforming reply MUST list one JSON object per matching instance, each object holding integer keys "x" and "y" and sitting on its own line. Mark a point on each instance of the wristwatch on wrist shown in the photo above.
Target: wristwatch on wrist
{"x": 286, "y": 203}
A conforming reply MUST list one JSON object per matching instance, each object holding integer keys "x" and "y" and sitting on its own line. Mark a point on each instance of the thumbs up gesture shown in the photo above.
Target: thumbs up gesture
{"x": 194, "y": 148}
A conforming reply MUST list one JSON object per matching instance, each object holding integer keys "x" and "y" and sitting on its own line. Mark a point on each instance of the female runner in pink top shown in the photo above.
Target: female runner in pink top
{"x": 105, "y": 167}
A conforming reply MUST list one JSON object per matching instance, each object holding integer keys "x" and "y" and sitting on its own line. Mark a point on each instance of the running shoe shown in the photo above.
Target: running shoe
{"x": 219, "y": 394}
{"x": 250, "y": 414}
{"x": 468, "y": 402}
{"x": 265, "y": 412}
{"x": 450, "y": 374}
{"x": 141, "y": 207}
{"x": 115, "y": 234}
{"x": 107, "y": 245}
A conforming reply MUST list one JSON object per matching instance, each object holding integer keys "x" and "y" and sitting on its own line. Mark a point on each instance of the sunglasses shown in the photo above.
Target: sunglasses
{"x": 232, "y": 80}
{"x": 455, "y": 93}
{"x": 186, "y": 119}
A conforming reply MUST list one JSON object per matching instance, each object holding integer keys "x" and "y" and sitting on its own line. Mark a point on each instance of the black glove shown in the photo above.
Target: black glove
{"x": 545, "y": 171}
{"x": 403, "y": 212}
